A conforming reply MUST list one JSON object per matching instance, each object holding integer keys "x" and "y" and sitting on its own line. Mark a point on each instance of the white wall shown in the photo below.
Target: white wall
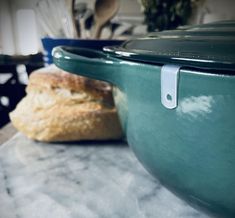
{"x": 16, "y": 25}
{"x": 7, "y": 39}
{"x": 212, "y": 10}
{"x": 130, "y": 7}
{"x": 127, "y": 7}
{"x": 219, "y": 10}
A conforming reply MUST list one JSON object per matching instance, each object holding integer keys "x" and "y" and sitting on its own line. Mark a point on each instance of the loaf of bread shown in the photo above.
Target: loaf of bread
{"x": 60, "y": 106}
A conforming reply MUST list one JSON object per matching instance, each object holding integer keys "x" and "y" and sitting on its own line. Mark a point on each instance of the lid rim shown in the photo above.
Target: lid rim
{"x": 187, "y": 46}
{"x": 165, "y": 59}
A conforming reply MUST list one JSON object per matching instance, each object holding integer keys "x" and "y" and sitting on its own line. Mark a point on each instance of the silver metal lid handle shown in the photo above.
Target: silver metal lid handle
{"x": 169, "y": 85}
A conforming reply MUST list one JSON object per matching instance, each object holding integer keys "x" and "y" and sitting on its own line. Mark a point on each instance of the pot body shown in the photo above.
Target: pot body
{"x": 190, "y": 149}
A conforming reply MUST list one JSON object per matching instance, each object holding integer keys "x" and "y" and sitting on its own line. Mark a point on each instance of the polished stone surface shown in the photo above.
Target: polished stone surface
{"x": 81, "y": 180}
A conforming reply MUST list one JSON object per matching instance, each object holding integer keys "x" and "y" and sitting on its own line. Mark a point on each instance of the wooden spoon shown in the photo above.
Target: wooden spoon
{"x": 71, "y": 18}
{"x": 105, "y": 10}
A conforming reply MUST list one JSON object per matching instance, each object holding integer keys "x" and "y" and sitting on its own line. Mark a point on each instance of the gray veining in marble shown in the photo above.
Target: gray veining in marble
{"x": 82, "y": 180}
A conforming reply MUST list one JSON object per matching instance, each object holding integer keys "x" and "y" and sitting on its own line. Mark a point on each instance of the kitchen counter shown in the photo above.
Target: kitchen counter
{"x": 6, "y": 132}
{"x": 81, "y": 180}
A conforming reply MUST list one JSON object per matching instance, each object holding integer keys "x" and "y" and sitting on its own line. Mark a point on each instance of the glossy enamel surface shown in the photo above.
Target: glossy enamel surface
{"x": 204, "y": 46}
{"x": 191, "y": 148}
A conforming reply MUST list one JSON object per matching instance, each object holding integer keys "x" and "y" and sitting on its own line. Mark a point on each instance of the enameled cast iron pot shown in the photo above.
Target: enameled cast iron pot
{"x": 175, "y": 94}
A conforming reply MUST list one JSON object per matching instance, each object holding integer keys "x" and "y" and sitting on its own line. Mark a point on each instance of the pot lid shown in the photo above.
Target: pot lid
{"x": 210, "y": 46}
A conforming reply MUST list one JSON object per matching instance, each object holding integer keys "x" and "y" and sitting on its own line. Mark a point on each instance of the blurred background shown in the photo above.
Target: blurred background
{"x": 29, "y": 29}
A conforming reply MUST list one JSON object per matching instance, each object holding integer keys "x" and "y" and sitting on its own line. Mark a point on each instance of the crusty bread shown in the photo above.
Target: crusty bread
{"x": 64, "y": 107}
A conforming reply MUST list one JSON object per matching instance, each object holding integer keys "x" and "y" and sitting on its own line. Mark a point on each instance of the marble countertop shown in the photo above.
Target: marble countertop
{"x": 6, "y": 132}
{"x": 81, "y": 180}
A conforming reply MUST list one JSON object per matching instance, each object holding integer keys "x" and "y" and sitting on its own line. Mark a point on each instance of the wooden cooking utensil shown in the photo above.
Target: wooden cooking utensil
{"x": 105, "y": 10}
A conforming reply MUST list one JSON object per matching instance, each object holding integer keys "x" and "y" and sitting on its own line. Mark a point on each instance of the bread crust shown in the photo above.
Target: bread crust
{"x": 63, "y": 107}
{"x": 52, "y": 78}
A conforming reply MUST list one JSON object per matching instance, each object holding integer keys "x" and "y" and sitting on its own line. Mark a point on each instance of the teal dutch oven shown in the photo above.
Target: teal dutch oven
{"x": 175, "y": 94}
